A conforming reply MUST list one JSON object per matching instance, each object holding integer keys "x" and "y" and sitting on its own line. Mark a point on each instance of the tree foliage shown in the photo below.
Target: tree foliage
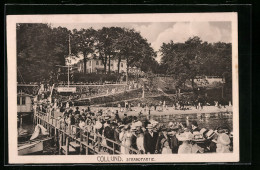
{"x": 39, "y": 49}
{"x": 83, "y": 43}
{"x": 186, "y": 61}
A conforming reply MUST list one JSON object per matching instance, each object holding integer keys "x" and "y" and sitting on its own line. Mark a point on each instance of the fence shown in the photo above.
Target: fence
{"x": 71, "y": 139}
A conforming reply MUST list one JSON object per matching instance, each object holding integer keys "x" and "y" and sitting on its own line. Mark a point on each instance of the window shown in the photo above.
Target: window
{"x": 23, "y": 100}
{"x": 89, "y": 63}
{"x": 111, "y": 65}
{"x": 18, "y": 100}
{"x": 122, "y": 65}
{"x": 97, "y": 63}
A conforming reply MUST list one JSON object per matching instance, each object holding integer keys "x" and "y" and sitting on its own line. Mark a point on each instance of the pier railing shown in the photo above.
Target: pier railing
{"x": 71, "y": 139}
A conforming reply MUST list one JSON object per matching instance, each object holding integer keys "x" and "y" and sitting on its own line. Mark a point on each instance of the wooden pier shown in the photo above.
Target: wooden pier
{"x": 72, "y": 140}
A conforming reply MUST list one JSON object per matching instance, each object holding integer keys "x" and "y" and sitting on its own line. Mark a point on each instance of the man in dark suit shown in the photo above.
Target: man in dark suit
{"x": 109, "y": 133}
{"x": 133, "y": 138}
{"x": 150, "y": 140}
{"x": 174, "y": 143}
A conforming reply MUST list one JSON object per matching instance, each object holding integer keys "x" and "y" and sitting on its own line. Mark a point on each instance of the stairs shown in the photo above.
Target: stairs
{"x": 75, "y": 145}
{"x": 71, "y": 150}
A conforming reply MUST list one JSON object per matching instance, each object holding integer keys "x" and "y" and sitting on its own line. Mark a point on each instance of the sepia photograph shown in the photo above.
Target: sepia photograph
{"x": 123, "y": 88}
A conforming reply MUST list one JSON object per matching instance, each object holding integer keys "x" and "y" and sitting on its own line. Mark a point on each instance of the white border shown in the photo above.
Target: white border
{"x": 115, "y": 18}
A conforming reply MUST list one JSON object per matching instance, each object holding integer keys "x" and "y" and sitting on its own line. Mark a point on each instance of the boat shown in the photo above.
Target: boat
{"x": 35, "y": 144}
{"x": 32, "y": 147}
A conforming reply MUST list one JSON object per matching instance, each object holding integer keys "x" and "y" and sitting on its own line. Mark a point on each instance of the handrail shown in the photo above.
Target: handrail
{"x": 68, "y": 129}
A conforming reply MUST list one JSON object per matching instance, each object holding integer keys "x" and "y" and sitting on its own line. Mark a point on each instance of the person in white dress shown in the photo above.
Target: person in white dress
{"x": 122, "y": 139}
{"x": 185, "y": 147}
{"x": 128, "y": 136}
{"x": 223, "y": 143}
{"x": 140, "y": 141}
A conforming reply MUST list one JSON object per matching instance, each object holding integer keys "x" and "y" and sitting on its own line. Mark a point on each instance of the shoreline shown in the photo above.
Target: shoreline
{"x": 169, "y": 111}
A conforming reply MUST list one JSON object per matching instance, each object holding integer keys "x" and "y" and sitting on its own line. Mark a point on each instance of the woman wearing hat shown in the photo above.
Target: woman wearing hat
{"x": 122, "y": 137}
{"x": 185, "y": 147}
{"x": 223, "y": 143}
{"x": 140, "y": 141}
{"x": 163, "y": 142}
{"x": 125, "y": 137}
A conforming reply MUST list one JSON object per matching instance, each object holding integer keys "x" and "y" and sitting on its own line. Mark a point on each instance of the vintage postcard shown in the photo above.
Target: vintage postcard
{"x": 123, "y": 88}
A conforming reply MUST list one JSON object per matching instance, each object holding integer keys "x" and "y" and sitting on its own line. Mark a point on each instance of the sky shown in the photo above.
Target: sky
{"x": 158, "y": 33}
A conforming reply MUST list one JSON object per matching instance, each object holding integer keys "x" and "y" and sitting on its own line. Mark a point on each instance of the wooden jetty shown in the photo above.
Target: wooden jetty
{"x": 72, "y": 140}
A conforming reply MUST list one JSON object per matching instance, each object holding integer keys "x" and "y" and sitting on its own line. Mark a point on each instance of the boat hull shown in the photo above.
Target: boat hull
{"x": 30, "y": 148}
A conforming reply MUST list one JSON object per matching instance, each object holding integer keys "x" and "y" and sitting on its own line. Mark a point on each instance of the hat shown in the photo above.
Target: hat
{"x": 223, "y": 129}
{"x": 126, "y": 127}
{"x": 174, "y": 127}
{"x": 98, "y": 125}
{"x": 185, "y": 136}
{"x": 149, "y": 126}
{"x": 203, "y": 130}
{"x": 138, "y": 123}
{"x": 223, "y": 139}
{"x": 198, "y": 137}
{"x": 106, "y": 117}
{"x": 170, "y": 124}
{"x": 133, "y": 129}
{"x": 121, "y": 126}
{"x": 210, "y": 134}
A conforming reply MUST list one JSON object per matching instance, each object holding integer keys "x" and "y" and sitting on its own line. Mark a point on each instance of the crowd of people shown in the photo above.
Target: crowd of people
{"x": 131, "y": 134}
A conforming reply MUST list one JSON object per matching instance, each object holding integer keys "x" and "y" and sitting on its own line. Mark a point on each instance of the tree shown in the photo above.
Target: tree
{"x": 186, "y": 61}
{"x": 134, "y": 48}
{"x": 82, "y": 42}
{"x": 39, "y": 49}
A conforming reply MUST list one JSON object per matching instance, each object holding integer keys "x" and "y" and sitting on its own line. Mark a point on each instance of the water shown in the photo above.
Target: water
{"x": 215, "y": 120}
{"x": 49, "y": 147}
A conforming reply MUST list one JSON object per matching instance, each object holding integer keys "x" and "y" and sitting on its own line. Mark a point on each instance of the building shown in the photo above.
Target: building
{"x": 24, "y": 103}
{"x": 94, "y": 65}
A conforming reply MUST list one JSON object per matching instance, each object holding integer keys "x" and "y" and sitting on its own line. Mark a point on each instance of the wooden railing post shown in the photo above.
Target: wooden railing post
{"x": 99, "y": 142}
{"x": 55, "y": 136}
{"x": 80, "y": 139}
{"x": 60, "y": 142}
{"x": 87, "y": 145}
{"x": 64, "y": 138}
{"x": 114, "y": 150}
{"x": 56, "y": 122}
{"x": 67, "y": 145}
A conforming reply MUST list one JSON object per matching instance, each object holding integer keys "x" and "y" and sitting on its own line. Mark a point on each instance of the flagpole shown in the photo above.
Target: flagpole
{"x": 69, "y": 64}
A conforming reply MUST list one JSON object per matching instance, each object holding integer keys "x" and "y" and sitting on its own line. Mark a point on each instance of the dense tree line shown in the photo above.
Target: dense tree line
{"x": 185, "y": 61}
{"x": 40, "y": 48}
